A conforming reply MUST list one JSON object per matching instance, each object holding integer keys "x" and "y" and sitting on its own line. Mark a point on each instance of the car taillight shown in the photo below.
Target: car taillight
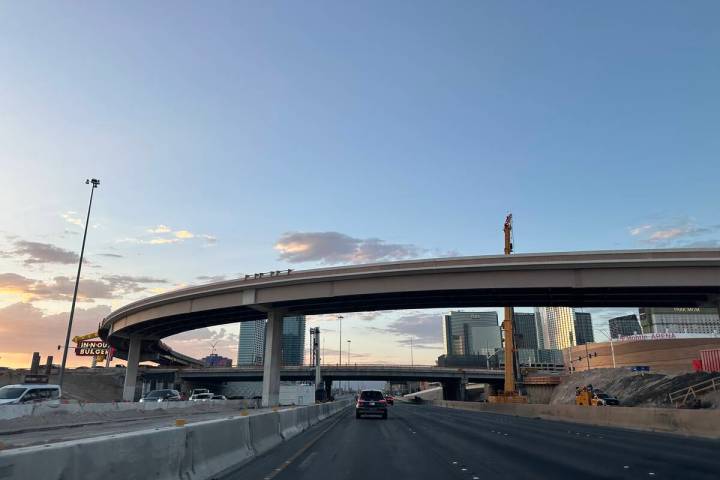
{"x": 382, "y": 401}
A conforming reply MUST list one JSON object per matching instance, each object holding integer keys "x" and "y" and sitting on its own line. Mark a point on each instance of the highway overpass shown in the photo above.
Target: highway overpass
{"x": 453, "y": 380}
{"x": 680, "y": 277}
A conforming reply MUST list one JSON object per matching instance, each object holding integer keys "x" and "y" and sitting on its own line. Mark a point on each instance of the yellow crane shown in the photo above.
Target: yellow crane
{"x": 508, "y": 323}
{"x": 510, "y": 393}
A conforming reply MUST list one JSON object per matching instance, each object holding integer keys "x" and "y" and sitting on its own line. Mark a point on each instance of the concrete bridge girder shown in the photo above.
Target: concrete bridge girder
{"x": 688, "y": 277}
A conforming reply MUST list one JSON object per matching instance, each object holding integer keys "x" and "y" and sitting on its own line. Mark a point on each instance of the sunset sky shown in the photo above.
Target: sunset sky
{"x": 239, "y": 137}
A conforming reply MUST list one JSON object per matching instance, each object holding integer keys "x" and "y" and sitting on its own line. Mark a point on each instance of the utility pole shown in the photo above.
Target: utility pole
{"x": 587, "y": 356}
{"x": 95, "y": 182}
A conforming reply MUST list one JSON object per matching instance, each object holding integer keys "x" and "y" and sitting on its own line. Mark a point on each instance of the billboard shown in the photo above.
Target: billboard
{"x": 91, "y": 348}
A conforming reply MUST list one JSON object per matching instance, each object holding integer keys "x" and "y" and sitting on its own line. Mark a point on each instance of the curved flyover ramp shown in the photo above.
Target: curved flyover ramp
{"x": 681, "y": 277}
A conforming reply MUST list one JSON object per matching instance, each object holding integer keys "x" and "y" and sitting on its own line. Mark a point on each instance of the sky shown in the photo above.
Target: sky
{"x": 238, "y": 137}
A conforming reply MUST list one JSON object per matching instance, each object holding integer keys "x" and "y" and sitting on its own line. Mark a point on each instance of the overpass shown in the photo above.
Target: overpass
{"x": 675, "y": 278}
{"x": 452, "y": 379}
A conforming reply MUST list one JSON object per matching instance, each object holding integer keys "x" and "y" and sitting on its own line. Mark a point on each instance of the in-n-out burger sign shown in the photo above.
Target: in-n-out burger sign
{"x": 91, "y": 348}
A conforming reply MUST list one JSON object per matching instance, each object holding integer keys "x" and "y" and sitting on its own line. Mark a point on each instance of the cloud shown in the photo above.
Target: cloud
{"x": 72, "y": 217}
{"x": 61, "y": 288}
{"x": 110, "y": 255}
{"x": 335, "y": 247}
{"x": 40, "y": 253}
{"x": 210, "y": 240}
{"x": 424, "y": 328}
{"x": 183, "y": 234}
{"x": 160, "y": 229}
{"x": 678, "y": 233}
{"x": 161, "y": 241}
{"x": 199, "y": 343}
{"x": 638, "y": 230}
{"x": 211, "y": 278}
{"x": 25, "y": 328}
{"x": 667, "y": 234}
{"x": 164, "y": 235}
{"x": 131, "y": 284}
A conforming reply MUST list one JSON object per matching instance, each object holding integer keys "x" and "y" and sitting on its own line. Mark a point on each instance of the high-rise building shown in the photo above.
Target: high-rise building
{"x": 680, "y": 320}
{"x": 623, "y": 326}
{"x": 471, "y": 333}
{"x": 293, "y": 340}
{"x": 215, "y": 360}
{"x": 559, "y": 328}
{"x": 525, "y": 329}
{"x": 583, "y": 328}
{"x": 251, "y": 343}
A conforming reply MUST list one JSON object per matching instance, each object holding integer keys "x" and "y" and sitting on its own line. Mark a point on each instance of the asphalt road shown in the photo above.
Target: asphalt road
{"x": 422, "y": 442}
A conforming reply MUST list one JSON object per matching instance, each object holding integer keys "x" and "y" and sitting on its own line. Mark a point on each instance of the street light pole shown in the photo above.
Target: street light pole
{"x": 348, "y": 362}
{"x": 95, "y": 182}
{"x": 412, "y": 359}
{"x": 340, "y": 317}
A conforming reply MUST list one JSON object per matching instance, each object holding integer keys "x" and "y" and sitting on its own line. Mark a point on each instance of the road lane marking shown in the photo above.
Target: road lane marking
{"x": 302, "y": 450}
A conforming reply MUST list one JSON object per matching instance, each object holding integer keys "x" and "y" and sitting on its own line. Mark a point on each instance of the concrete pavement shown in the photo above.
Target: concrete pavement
{"x": 426, "y": 442}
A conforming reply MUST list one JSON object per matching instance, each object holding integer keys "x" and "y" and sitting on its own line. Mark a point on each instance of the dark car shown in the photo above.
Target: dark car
{"x": 605, "y": 399}
{"x": 390, "y": 399}
{"x": 371, "y": 402}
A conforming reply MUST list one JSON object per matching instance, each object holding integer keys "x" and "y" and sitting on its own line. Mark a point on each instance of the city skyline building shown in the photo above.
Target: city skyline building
{"x": 215, "y": 360}
{"x": 558, "y": 327}
{"x": 583, "y": 328}
{"x": 680, "y": 320}
{"x": 251, "y": 343}
{"x": 471, "y": 333}
{"x": 293, "y": 340}
{"x": 624, "y": 325}
{"x": 525, "y": 328}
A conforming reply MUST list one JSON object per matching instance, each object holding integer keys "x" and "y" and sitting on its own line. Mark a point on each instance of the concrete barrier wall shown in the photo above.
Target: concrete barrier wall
{"x": 265, "y": 431}
{"x": 196, "y": 451}
{"x": 290, "y": 424}
{"x": 699, "y": 423}
{"x": 9, "y": 412}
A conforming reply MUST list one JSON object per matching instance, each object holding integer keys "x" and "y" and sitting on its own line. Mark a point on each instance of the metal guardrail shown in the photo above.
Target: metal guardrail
{"x": 712, "y": 384}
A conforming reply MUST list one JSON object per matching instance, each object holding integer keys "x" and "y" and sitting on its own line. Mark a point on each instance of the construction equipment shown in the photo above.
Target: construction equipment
{"x": 510, "y": 394}
{"x": 584, "y": 396}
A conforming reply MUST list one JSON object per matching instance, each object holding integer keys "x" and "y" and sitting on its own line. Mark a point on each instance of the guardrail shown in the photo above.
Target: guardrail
{"x": 712, "y": 384}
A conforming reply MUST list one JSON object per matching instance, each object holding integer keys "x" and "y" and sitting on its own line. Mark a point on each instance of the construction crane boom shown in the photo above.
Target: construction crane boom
{"x": 508, "y": 322}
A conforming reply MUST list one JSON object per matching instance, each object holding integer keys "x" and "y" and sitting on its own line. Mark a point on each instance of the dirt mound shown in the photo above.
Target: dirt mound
{"x": 631, "y": 388}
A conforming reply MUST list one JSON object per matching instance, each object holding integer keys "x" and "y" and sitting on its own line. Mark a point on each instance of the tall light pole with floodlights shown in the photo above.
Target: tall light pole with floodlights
{"x": 95, "y": 183}
{"x": 340, "y": 318}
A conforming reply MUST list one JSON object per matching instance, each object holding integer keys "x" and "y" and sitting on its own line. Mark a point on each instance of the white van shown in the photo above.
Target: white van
{"x": 29, "y": 393}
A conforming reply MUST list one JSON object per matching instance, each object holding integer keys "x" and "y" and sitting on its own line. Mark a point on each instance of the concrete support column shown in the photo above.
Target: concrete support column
{"x": 272, "y": 359}
{"x": 133, "y": 360}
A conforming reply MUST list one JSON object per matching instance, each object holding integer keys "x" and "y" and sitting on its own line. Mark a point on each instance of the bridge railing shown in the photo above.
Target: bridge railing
{"x": 354, "y": 366}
